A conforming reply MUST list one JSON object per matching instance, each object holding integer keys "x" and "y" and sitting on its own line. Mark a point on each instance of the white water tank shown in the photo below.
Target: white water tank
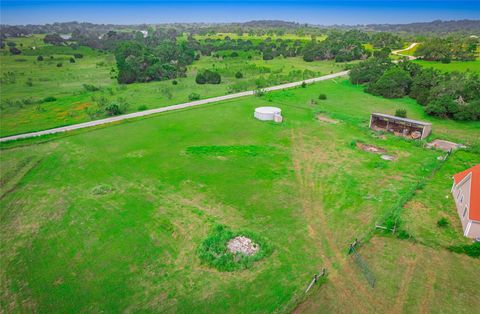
{"x": 267, "y": 113}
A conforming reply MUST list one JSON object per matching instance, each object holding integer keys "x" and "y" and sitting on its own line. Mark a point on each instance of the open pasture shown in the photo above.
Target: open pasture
{"x": 111, "y": 219}
{"x": 24, "y": 76}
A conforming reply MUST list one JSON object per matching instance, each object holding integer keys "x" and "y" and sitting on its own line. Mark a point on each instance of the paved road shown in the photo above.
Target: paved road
{"x": 398, "y": 52}
{"x": 164, "y": 109}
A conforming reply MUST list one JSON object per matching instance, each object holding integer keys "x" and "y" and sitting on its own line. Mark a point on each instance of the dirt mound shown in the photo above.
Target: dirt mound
{"x": 444, "y": 145}
{"x": 325, "y": 119}
{"x": 242, "y": 245}
{"x": 370, "y": 148}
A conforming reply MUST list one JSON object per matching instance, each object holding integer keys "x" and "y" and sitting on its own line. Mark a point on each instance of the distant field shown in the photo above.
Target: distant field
{"x": 460, "y": 66}
{"x": 110, "y": 219}
{"x": 21, "y": 111}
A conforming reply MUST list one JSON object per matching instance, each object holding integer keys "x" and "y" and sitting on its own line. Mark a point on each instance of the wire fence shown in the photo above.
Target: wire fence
{"x": 361, "y": 264}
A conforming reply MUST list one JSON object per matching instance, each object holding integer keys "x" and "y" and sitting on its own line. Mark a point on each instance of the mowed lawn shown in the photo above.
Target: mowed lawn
{"x": 110, "y": 219}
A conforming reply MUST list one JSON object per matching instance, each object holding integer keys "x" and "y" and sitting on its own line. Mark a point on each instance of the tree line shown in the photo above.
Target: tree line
{"x": 446, "y": 95}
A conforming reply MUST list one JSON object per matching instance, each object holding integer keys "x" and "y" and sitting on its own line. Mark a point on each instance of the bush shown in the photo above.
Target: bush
{"x": 238, "y": 75}
{"x": 29, "y": 82}
{"x": 267, "y": 55}
{"x": 212, "y": 77}
{"x": 213, "y": 250}
{"x": 49, "y": 99}
{"x": 40, "y": 58}
{"x": 194, "y": 96}
{"x": 402, "y": 113}
{"x": 90, "y": 88}
{"x": 304, "y": 85}
{"x": 322, "y": 97}
{"x": 259, "y": 92}
{"x": 174, "y": 82}
{"x": 15, "y": 51}
{"x": 72, "y": 60}
{"x": 234, "y": 54}
{"x": 78, "y": 55}
{"x": 113, "y": 109}
{"x": 442, "y": 222}
{"x": 142, "y": 108}
{"x": 59, "y": 65}
{"x": 472, "y": 250}
{"x": 200, "y": 79}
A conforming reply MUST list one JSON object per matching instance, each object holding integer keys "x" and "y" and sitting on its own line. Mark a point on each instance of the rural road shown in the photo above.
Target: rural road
{"x": 164, "y": 109}
{"x": 398, "y": 52}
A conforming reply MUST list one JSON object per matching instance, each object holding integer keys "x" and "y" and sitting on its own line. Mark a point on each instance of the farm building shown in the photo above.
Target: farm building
{"x": 466, "y": 193}
{"x": 400, "y": 126}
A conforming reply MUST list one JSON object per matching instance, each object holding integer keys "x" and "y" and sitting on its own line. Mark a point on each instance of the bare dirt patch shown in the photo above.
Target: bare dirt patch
{"x": 444, "y": 145}
{"x": 370, "y": 148}
{"x": 326, "y": 119}
{"x": 388, "y": 157}
{"x": 242, "y": 245}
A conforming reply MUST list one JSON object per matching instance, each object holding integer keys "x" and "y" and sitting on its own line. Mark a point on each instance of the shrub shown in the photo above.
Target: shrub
{"x": 113, "y": 109}
{"x": 212, "y": 77}
{"x": 174, "y": 82}
{"x": 78, "y": 55}
{"x": 142, "y": 108}
{"x": 72, "y": 60}
{"x": 194, "y": 96}
{"x": 90, "y": 88}
{"x": 267, "y": 55}
{"x": 200, "y": 79}
{"x": 15, "y": 51}
{"x": 40, "y": 58}
{"x": 238, "y": 75}
{"x": 59, "y": 65}
{"x": 472, "y": 250}
{"x": 322, "y": 97}
{"x": 49, "y": 99}
{"x": 442, "y": 222}
{"x": 29, "y": 82}
{"x": 304, "y": 84}
{"x": 402, "y": 113}
{"x": 234, "y": 54}
{"x": 259, "y": 92}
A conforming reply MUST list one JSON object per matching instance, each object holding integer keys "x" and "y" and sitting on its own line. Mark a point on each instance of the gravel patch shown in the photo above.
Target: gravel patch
{"x": 242, "y": 245}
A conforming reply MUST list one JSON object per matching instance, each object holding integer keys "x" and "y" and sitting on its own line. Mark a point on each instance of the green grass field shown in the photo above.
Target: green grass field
{"x": 110, "y": 219}
{"x": 22, "y": 112}
{"x": 459, "y": 66}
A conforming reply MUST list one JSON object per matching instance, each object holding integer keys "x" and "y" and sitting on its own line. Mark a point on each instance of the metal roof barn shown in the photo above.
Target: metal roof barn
{"x": 400, "y": 126}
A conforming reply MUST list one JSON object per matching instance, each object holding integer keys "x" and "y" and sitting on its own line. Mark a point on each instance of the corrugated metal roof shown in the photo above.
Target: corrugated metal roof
{"x": 383, "y": 115}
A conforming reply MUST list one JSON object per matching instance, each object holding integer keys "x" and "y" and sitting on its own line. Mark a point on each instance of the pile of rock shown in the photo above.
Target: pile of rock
{"x": 242, "y": 245}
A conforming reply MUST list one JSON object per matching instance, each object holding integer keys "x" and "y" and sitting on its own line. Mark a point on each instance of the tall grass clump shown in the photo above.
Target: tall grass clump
{"x": 214, "y": 252}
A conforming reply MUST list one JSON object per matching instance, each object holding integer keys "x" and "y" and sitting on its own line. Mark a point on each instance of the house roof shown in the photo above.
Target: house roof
{"x": 395, "y": 118}
{"x": 474, "y": 211}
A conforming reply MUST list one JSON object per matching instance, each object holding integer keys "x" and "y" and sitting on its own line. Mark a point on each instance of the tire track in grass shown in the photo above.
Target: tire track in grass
{"x": 304, "y": 162}
{"x": 405, "y": 286}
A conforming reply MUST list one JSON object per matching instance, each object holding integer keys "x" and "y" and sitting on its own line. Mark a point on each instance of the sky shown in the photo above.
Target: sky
{"x": 349, "y": 12}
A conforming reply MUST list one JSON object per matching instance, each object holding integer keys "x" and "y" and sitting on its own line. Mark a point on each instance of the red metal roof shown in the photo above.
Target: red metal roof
{"x": 474, "y": 211}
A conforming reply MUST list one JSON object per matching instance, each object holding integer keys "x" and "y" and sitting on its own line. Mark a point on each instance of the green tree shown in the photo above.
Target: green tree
{"x": 394, "y": 83}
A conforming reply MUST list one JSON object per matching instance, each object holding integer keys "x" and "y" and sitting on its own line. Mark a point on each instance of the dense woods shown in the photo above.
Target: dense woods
{"x": 447, "y": 95}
